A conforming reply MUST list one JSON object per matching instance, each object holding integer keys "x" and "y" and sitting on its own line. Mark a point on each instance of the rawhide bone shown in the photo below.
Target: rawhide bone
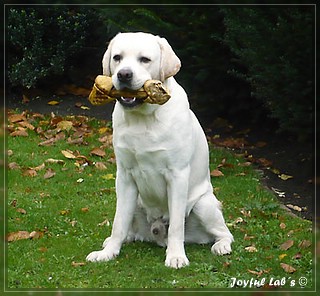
{"x": 103, "y": 92}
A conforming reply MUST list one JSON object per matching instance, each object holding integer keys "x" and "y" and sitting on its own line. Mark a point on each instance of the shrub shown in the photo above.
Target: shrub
{"x": 275, "y": 44}
{"x": 40, "y": 41}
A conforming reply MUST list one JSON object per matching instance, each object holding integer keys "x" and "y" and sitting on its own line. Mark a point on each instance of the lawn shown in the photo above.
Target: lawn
{"x": 61, "y": 203}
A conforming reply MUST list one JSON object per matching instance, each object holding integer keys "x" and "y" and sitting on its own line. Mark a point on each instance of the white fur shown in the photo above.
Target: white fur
{"x": 162, "y": 160}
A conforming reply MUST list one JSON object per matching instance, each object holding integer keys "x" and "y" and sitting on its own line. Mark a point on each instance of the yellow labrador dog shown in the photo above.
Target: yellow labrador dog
{"x": 163, "y": 187}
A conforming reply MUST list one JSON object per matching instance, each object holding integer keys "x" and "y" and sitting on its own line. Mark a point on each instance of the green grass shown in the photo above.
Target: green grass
{"x": 68, "y": 214}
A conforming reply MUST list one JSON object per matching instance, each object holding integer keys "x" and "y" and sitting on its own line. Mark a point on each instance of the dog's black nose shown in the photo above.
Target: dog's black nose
{"x": 155, "y": 231}
{"x": 125, "y": 75}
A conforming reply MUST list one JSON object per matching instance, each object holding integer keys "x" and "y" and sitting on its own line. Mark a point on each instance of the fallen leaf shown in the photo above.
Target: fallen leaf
{"x": 285, "y": 177}
{"x": 16, "y": 118}
{"x": 49, "y": 174}
{"x": 52, "y": 160}
{"x": 26, "y": 124}
{"x": 43, "y": 249}
{"x": 98, "y": 152}
{"x": 14, "y": 236}
{"x": 286, "y": 245}
{"x": 264, "y": 162}
{"x": 68, "y": 154}
{"x": 13, "y": 166}
{"x": 80, "y": 180}
{"x": 304, "y": 244}
{"x": 216, "y": 173}
{"x": 248, "y": 237}
{"x": 48, "y": 142}
{"x": 282, "y": 225}
{"x": 287, "y": 268}
{"x": 85, "y": 108}
{"x": 100, "y": 165}
{"x": 297, "y": 256}
{"x": 281, "y": 256}
{"x": 278, "y": 192}
{"x": 75, "y": 264}
{"x": 19, "y": 133}
{"x": 36, "y": 234}
{"x": 251, "y": 249}
{"x": 64, "y": 212}
{"x": 30, "y": 173}
{"x": 84, "y": 210}
{"x": 105, "y": 222}
{"x": 245, "y": 164}
{"x": 21, "y": 211}
{"x": 25, "y": 99}
{"x": 53, "y": 103}
{"x": 65, "y": 125}
{"x": 296, "y": 208}
{"x": 39, "y": 167}
{"x": 108, "y": 177}
{"x": 258, "y": 273}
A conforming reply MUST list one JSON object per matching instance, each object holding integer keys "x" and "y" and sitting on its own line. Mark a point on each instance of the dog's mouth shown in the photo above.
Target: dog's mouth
{"x": 130, "y": 102}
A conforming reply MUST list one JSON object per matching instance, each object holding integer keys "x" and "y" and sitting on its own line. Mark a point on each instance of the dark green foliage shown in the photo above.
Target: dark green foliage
{"x": 275, "y": 44}
{"x": 40, "y": 40}
{"x": 195, "y": 33}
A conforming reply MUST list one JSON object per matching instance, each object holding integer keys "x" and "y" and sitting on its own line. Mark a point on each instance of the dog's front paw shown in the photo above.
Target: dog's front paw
{"x": 103, "y": 255}
{"x": 222, "y": 247}
{"x": 176, "y": 261}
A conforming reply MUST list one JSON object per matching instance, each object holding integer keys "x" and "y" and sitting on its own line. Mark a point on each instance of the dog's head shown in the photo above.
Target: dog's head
{"x": 133, "y": 58}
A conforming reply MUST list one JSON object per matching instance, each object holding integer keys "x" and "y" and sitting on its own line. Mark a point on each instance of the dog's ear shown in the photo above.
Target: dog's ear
{"x": 170, "y": 64}
{"x": 106, "y": 60}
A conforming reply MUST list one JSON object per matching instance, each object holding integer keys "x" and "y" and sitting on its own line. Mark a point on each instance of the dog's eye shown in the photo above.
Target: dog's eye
{"x": 117, "y": 58}
{"x": 145, "y": 60}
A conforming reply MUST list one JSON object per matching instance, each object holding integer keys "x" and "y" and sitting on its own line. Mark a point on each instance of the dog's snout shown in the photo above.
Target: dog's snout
{"x": 125, "y": 75}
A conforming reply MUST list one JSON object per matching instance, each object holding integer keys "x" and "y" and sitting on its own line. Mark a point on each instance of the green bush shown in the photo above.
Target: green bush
{"x": 275, "y": 44}
{"x": 40, "y": 41}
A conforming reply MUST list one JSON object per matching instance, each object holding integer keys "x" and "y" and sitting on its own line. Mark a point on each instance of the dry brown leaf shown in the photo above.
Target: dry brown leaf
{"x": 75, "y": 264}
{"x": 75, "y": 141}
{"x": 245, "y": 164}
{"x": 282, "y": 225}
{"x": 13, "y": 166}
{"x": 296, "y": 208}
{"x": 304, "y": 244}
{"x": 52, "y": 160}
{"x": 19, "y": 133}
{"x": 68, "y": 154}
{"x": 297, "y": 256}
{"x": 105, "y": 222}
{"x": 49, "y": 174}
{"x": 39, "y": 167}
{"x": 216, "y": 173}
{"x": 100, "y": 165}
{"x": 251, "y": 249}
{"x": 65, "y": 125}
{"x": 287, "y": 268}
{"x": 48, "y": 142}
{"x": 26, "y": 124}
{"x": 286, "y": 245}
{"x": 98, "y": 152}
{"x": 21, "y": 211}
{"x": 30, "y": 173}
{"x": 16, "y": 118}
{"x": 84, "y": 210}
{"x": 14, "y": 236}
{"x": 36, "y": 234}
{"x": 258, "y": 273}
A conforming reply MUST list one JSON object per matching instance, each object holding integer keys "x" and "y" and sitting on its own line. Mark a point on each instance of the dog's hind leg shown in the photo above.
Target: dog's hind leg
{"x": 209, "y": 214}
